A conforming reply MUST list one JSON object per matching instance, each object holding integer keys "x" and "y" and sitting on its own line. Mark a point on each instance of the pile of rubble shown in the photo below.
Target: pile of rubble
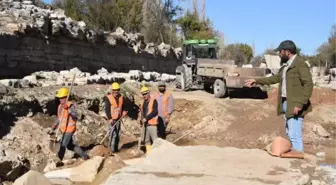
{"x": 22, "y": 17}
{"x": 31, "y": 111}
{"x": 51, "y": 78}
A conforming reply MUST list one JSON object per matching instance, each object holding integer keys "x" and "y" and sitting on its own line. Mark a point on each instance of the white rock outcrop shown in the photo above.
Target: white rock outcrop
{"x": 65, "y": 77}
{"x": 85, "y": 172}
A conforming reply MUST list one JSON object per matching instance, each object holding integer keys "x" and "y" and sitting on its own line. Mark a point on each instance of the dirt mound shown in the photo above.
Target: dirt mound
{"x": 319, "y": 96}
{"x": 29, "y": 142}
{"x": 100, "y": 150}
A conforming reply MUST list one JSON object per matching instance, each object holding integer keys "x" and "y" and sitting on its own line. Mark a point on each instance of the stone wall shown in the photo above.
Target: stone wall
{"x": 36, "y": 39}
{"x": 23, "y": 55}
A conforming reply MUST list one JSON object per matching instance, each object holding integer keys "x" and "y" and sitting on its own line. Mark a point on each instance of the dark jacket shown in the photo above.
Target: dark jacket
{"x": 299, "y": 87}
{"x": 145, "y": 110}
{"x": 108, "y": 106}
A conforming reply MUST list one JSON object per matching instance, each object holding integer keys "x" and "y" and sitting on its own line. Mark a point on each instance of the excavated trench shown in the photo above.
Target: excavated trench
{"x": 21, "y": 109}
{"x": 189, "y": 111}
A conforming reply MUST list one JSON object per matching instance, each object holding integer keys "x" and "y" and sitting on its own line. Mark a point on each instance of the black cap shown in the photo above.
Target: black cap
{"x": 286, "y": 45}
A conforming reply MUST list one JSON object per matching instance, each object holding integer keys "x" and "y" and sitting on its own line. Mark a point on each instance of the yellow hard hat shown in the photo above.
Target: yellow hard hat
{"x": 62, "y": 92}
{"x": 115, "y": 86}
{"x": 144, "y": 89}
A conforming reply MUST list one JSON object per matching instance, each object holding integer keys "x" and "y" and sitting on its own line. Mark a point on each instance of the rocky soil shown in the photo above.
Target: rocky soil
{"x": 237, "y": 121}
{"x": 27, "y": 113}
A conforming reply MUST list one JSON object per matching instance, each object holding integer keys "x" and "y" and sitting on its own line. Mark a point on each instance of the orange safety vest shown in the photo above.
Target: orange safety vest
{"x": 154, "y": 120}
{"x": 68, "y": 124}
{"x": 115, "y": 108}
{"x": 164, "y": 103}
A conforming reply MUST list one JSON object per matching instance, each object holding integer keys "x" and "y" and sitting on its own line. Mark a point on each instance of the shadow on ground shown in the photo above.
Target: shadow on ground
{"x": 248, "y": 93}
{"x": 6, "y": 122}
{"x": 243, "y": 93}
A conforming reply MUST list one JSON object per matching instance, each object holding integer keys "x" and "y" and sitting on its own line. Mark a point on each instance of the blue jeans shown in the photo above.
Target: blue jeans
{"x": 294, "y": 130}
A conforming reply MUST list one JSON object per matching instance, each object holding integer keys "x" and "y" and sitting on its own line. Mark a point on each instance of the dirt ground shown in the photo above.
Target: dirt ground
{"x": 234, "y": 121}
{"x": 250, "y": 123}
{"x": 243, "y": 122}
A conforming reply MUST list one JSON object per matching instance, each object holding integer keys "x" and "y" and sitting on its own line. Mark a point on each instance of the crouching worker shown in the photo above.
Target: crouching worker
{"x": 67, "y": 117}
{"x": 115, "y": 110}
{"x": 149, "y": 117}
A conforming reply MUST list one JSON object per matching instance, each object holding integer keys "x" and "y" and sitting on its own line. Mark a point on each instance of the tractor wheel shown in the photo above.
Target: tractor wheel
{"x": 219, "y": 88}
{"x": 186, "y": 78}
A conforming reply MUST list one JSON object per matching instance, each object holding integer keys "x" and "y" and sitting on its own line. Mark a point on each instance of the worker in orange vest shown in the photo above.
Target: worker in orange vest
{"x": 115, "y": 110}
{"x": 165, "y": 102}
{"x": 67, "y": 126}
{"x": 149, "y": 117}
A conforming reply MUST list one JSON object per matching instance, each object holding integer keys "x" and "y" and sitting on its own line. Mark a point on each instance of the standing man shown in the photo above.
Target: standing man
{"x": 165, "y": 108}
{"x": 295, "y": 89}
{"x": 68, "y": 111}
{"x": 149, "y": 117}
{"x": 115, "y": 110}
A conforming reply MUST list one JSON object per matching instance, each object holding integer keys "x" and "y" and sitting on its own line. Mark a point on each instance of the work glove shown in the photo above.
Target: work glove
{"x": 50, "y": 131}
{"x": 113, "y": 122}
{"x": 144, "y": 120}
{"x": 124, "y": 114}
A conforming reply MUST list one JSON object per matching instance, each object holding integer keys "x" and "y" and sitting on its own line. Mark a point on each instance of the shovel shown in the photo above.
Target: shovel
{"x": 138, "y": 151}
{"x": 66, "y": 101}
{"x": 108, "y": 133}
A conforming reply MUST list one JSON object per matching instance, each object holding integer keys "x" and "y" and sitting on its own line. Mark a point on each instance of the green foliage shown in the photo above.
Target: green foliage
{"x": 157, "y": 20}
{"x": 106, "y": 15}
{"x": 73, "y": 9}
{"x": 193, "y": 28}
{"x": 240, "y": 53}
{"x": 327, "y": 51}
{"x": 271, "y": 51}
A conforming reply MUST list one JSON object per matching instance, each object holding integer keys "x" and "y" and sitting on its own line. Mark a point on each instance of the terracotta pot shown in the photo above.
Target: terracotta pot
{"x": 280, "y": 145}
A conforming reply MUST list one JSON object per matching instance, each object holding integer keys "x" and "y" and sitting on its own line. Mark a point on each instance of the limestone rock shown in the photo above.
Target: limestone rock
{"x": 85, "y": 172}
{"x": 315, "y": 182}
{"x": 32, "y": 177}
{"x": 31, "y": 80}
{"x": 206, "y": 164}
{"x": 12, "y": 165}
{"x": 320, "y": 131}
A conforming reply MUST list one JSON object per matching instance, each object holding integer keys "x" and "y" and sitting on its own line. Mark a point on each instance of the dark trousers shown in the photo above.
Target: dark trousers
{"x": 161, "y": 128}
{"x": 68, "y": 143}
{"x": 114, "y": 136}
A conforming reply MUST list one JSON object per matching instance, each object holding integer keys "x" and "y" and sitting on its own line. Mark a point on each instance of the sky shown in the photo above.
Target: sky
{"x": 265, "y": 23}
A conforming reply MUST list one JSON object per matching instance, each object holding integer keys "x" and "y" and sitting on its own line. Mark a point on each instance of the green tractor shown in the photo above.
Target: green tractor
{"x": 201, "y": 68}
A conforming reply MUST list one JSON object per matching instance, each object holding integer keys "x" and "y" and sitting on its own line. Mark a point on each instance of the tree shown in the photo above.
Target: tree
{"x": 73, "y": 9}
{"x": 159, "y": 19}
{"x": 271, "y": 51}
{"x": 193, "y": 28}
{"x": 240, "y": 53}
{"x": 328, "y": 49}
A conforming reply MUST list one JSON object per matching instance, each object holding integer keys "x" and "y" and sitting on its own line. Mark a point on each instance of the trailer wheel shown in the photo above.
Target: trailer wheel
{"x": 219, "y": 88}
